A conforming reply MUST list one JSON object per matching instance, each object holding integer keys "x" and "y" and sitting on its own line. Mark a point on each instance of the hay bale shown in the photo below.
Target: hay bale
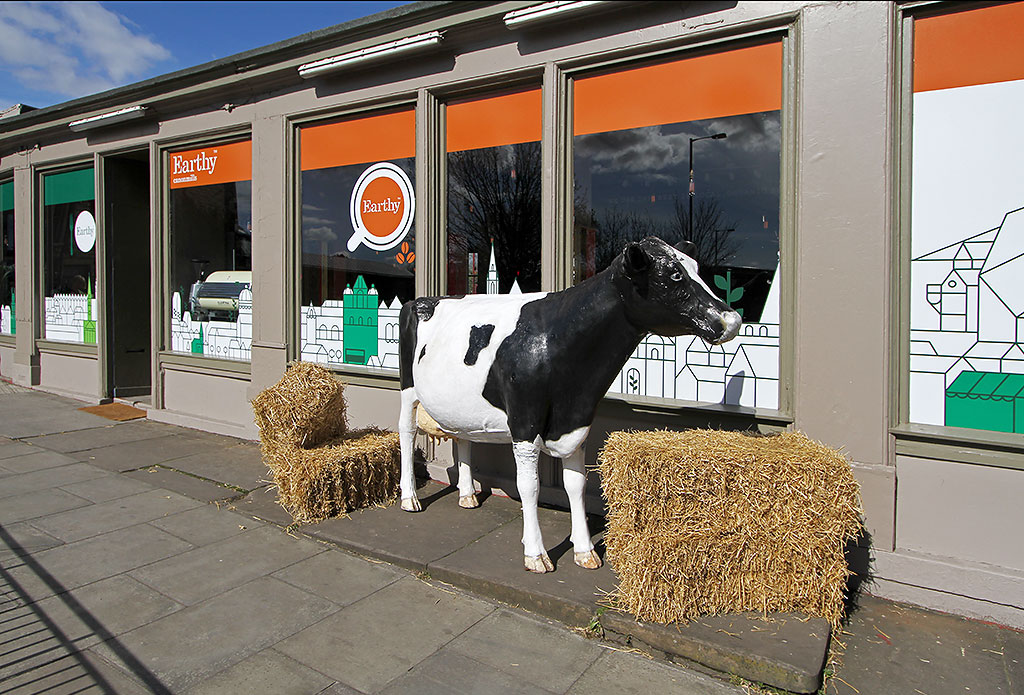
{"x": 705, "y": 522}
{"x": 321, "y": 469}
{"x": 358, "y": 469}
{"x": 305, "y": 408}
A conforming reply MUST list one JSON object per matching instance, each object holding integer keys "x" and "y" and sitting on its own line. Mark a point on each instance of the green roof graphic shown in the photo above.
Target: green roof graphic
{"x": 986, "y": 401}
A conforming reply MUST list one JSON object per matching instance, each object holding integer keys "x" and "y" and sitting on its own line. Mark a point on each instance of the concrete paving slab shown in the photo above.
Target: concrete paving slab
{"x": 38, "y": 460}
{"x": 340, "y": 689}
{"x": 15, "y": 485}
{"x": 213, "y": 569}
{"x": 116, "y": 514}
{"x": 10, "y": 447}
{"x": 23, "y": 538}
{"x": 195, "y": 643}
{"x": 109, "y": 487}
{"x": 340, "y": 577}
{"x": 618, "y": 673}
{"x": 184, "y": 484}
{"x": 449, "y": 672}
{"x": 105, "y": 435}
{"x": 205, "y": 525}
{"x": 528, "y": 649}
{"x": 32, "y": 414}
{"x": 39, "y": 503}
{"x": 240, "y": 466}
{"x": 1012, "y": 646}
{"x": 895, "y": 649}
{"x": 374, "y": 641}
{"x": 77, "y": 564}
{"x": 129, "y": 456}
{"x": 262, "y": 504}
{"x": 787, "y": 651}
{"x": 268, "y": 671}
{"x": 56, "y": 672}
{"x": 414, "y": 541}
{"x": 493, "y": 566}
{"x": 101, "y": 610}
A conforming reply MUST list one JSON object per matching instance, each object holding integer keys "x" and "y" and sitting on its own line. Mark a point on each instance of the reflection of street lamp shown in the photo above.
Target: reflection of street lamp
{"x": 716, "y": 136}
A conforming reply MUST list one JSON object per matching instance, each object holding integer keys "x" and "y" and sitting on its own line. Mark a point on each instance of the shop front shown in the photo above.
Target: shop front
{"x": 285, "y": 208}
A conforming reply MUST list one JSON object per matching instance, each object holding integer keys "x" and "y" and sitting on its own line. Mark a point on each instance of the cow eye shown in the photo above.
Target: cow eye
{"x": 678, "y": 276}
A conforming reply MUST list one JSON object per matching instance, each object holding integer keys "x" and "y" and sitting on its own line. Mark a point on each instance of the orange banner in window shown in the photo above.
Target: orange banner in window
{"x": 210, "y": 165}
{"x": 978, "y": 46}
{"x": 380, "y": 138}
{"x": 501, "y": 120}
{"x": 744, "y": 80}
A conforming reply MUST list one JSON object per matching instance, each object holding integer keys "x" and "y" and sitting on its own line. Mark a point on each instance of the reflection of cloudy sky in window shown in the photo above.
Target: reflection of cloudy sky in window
{"x": 646, "y": 169}
{"x": 326, "y": 216}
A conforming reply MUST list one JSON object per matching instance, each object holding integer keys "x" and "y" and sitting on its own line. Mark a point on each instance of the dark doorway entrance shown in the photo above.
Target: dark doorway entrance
{"x": 127, "y": 229}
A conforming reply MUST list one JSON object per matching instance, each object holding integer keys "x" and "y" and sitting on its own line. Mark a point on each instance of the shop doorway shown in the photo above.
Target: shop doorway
{"x": 128, "y": 302}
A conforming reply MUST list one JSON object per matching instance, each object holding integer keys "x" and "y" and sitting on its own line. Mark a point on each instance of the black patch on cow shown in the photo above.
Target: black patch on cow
{"x": 551, "y": 372}
{"x": 423, "y": 351}
{"x": 479, "y": 338}
{"x": 408, "y": 321}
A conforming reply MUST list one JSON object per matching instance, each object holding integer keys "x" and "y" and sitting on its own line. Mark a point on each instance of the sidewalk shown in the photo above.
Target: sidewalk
{"x": 140, "y": 557}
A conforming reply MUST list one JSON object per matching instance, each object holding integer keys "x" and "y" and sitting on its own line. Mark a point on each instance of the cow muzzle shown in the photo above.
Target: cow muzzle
{"x": 731, "y": 322}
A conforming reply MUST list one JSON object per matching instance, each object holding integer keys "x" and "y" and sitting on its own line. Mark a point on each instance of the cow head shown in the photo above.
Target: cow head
{"x": 664, "y": 294}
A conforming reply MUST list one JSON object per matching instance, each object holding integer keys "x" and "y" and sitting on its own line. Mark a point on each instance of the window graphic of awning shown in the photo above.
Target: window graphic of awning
{"x": 986, "y": 401}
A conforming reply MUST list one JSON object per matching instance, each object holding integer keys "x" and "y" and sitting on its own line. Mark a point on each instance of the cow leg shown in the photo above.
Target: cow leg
{"x": 574, "y": 478}
{"x": 406, "y": 437}
{"x": 467, "y": 491}
{"x": 528, "y": 481}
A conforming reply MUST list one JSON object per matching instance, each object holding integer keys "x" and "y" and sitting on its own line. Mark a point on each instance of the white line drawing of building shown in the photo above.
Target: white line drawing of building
{"x": 7, "y": 325}
{"x": 744, "y": 371}
{"x": 967, "y": 315}
{"x": 70, "y": 317}
{"x": 230, "y": 340}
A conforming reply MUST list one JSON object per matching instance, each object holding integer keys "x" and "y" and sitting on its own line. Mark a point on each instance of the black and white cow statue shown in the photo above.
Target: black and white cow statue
{"x": 530, "y": 370}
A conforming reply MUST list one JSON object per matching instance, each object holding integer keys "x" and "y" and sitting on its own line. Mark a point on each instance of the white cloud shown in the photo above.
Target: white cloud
{"x": 73, "y": 48}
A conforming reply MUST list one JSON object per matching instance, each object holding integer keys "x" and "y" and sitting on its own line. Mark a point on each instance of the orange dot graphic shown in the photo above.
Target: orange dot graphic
{"x": 381, "y": 206}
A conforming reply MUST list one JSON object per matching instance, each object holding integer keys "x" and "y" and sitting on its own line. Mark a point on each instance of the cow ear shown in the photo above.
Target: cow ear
{"x": 636, "y": 259}
{"x": 687, "y": 247}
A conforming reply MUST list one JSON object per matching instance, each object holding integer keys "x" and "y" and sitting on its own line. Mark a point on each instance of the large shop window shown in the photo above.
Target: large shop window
{"x": 210, "y": 250}
{"x": 7, "y": 304}
{"x": 358, "y": 238}
{"x": 69, "y": 256}
{"x": 639, "y": 134}
{"x": 494, "y": 176}
{"x": 967, "y": 220}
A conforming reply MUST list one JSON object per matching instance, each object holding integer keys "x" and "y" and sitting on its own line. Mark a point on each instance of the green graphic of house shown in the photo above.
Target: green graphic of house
{"x": 197, "y": 343}
{"x": 359, "y": 330}
{"x": 89, "y": 324}
{"x": 986, "y": 401}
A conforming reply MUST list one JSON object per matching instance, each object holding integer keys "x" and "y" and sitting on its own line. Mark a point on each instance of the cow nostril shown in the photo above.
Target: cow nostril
{"x": 731, "y": 322}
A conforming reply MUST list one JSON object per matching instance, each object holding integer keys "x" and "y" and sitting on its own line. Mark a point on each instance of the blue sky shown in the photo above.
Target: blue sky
{"x": 52, "y": 52}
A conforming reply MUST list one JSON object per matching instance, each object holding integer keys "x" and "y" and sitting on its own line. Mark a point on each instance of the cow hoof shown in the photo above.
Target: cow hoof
{"x": 539, "y": 564}
{"x": 469, "y": 501}
{"x": 588, "y": 560}
{"x": 411, "y": 504}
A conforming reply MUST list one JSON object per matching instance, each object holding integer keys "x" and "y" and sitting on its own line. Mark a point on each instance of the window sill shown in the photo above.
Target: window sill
{"x": 365, "y": 376}
{"x": 58, "y": 347}
{"x": 978, "y": 447}
{"x": 204, "y": 364}
{"x": 772, "y": 419}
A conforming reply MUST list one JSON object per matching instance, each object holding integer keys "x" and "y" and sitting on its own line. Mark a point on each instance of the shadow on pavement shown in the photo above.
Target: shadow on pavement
{"x": 36, "y": 654}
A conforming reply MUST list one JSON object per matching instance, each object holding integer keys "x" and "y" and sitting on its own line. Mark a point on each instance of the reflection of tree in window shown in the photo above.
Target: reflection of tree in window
{"x": 494, "y": 195}
{"x": 634, "y": 183}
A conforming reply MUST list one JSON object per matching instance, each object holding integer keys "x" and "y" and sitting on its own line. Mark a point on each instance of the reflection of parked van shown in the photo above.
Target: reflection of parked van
{"x": 217, "y": 296}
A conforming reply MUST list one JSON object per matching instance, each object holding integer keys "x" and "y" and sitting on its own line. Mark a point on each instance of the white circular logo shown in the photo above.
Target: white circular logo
{"x": 85, "y": 231}
{"x": 381, "y": 207}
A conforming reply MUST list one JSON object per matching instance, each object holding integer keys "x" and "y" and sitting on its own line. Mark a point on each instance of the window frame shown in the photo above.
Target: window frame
{"x": 162, "y": 253}
{"x": 786, "y": 31}
{"x": 6, "y": 339}
{"x": 354, "y": 374}
{"x": 943, "y": 442}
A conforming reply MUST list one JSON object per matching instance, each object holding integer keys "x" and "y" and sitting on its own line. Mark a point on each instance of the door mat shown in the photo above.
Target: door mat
{"x": 116, "y": 411}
